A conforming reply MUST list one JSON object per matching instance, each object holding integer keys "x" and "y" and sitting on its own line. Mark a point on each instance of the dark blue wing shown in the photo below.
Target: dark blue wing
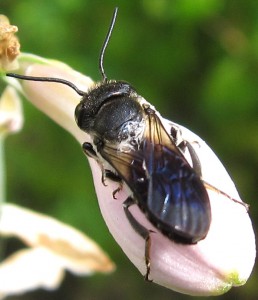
{"x": 177, "y": 198}
{"x": 164, "y": 185}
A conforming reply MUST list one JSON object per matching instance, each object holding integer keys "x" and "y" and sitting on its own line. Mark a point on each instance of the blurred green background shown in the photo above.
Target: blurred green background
{"x": 195, "y": 60}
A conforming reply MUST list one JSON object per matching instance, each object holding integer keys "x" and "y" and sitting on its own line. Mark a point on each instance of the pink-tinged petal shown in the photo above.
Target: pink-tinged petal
{"x": 223, "y": 259}
{"x": 210, "y": 267}
{"x": 57, "y": 100}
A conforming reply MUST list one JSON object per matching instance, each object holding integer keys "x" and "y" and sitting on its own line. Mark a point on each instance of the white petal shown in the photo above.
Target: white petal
{"x": 75, "y": 251}
{"x": 57, "y": 100}
{"x": 11, "y": 116}
{"x": 29, "y": 269}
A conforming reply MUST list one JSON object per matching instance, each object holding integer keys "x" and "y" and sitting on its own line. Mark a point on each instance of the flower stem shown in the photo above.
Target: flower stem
{"x": 2, "y": 173}
{"x": 2, "y": 189}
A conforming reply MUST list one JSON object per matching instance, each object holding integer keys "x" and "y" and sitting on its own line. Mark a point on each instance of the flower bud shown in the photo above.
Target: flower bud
{"x": 223, "y": 259}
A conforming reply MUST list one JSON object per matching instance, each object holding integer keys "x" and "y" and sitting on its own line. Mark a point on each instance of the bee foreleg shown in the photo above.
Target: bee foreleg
{"x": 112, "y": 176}
{"x": 89, "y": 151}
{"x": 116, "y": 178}
{"x": 142, "y": 231}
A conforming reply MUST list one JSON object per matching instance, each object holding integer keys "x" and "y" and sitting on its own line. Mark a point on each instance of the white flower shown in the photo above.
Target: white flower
{"x": 54, "y": 247}
{"x": 225, "y": 258}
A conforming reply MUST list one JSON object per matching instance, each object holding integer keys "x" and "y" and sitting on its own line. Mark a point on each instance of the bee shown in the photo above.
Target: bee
{"x": 133, "y": 148}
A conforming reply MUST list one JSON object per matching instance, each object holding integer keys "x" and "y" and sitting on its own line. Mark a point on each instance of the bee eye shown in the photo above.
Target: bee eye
{"x": 78, "y": 114}
{"x": 82, "y": 117}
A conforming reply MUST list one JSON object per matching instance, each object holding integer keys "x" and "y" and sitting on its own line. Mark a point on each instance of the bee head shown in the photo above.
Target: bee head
{"x": 106, "y": 111}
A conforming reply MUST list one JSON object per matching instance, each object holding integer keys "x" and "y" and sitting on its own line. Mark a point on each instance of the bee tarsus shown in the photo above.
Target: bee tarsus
{"x": 142, "y": 231}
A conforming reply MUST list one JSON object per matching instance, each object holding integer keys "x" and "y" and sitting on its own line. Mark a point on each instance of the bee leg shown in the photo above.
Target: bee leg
{"x": 194, "y": 157}
{"x": 182, "y": 144}
{"x": 142, "y": 231}
{"x": 175, "y": 133}
{"x": 114, "y": 177}
{"x": 213, "y": 188}
{"x": 197, "y": 167}
{"x": 89, "y": 151}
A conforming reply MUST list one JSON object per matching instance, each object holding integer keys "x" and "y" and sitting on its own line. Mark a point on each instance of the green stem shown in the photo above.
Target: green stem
{"x": 2, "y": 189}
{"x": 2, "y": 172}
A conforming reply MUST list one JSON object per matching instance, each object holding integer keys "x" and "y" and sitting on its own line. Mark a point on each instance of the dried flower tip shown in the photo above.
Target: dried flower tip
{"x": 9, "y": 45}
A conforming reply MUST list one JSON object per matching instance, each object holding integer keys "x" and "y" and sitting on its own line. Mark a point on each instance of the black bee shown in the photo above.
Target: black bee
{"x": 128, "y": 134}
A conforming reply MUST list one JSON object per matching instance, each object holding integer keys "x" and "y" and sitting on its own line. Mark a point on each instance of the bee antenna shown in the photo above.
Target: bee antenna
{"x": 104, "y": 46}
{"x": 66, "y": 82}
{"x": 47, "y": 79}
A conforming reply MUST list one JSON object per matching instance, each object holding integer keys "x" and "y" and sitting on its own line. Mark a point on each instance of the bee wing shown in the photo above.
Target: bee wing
{"x": 163, "y": 183}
